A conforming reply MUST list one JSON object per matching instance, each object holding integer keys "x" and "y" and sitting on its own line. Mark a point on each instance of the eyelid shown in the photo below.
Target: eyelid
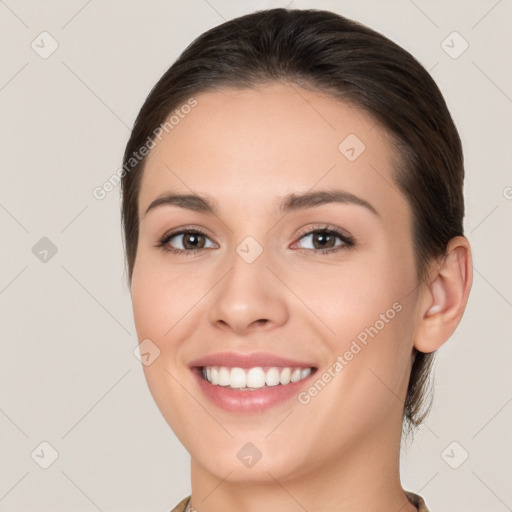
{"x": 342, "y": 233}
{"x": 184, "y": 229}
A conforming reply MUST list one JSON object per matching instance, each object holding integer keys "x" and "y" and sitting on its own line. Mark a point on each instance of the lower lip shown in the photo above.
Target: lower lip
{"x": 235, "y": 400}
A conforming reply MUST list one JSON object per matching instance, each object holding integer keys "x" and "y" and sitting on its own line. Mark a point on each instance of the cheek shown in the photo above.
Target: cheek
{"x": 145, "y": 299}
{"x": 168, "y": 308}
{"x": 369, "y": 370}
{"x": 349, "y": 298}
{"x": 159, "y": 303}
{"x": 366, "y": 314}
{"x": 159, "y": 298}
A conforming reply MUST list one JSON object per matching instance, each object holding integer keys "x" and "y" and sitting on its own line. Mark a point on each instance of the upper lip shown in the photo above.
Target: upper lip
{"x": 240, "y": 360}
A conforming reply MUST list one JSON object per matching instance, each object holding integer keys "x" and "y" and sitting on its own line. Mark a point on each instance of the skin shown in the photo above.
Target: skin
{"x": 247, "y": 149}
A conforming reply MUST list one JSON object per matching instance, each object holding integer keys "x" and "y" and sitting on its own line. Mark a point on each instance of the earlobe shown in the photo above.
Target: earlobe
{"x": 445, "y": 299}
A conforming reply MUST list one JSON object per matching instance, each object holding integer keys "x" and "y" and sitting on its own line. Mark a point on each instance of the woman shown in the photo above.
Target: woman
{"x": 293, "y": 221}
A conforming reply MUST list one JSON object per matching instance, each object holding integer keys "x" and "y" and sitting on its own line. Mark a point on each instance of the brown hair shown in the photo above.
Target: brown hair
{"x": 324, "y": 51}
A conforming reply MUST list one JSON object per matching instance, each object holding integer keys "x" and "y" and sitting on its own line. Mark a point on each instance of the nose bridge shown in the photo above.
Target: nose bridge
{"x": 249, "y": 294}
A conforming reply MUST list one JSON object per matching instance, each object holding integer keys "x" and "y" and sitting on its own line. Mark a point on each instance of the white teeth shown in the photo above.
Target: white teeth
{"x": 253, "y": 378}
{"x": 224, "y": 376}
{"x": 272, "y": 377}
{"x": 305, "y": 373}
{"x": 285, "y": 376}
{"x": 237, "y": 378}
{"x": 296, "y": 374}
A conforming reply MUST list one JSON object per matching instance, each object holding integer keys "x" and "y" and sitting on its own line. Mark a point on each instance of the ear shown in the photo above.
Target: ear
{"x": 444, "y": 300}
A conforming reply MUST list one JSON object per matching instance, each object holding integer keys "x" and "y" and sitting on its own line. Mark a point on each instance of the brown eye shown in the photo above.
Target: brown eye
{"x": 192, "y": 240}
{"x": 322, "y": 240}
{"x": 326, "y": 240}
{"x": 185, "y": 242}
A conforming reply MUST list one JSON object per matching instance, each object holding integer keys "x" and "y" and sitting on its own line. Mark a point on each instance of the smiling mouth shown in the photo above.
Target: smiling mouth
{"x": 255, "y": 378}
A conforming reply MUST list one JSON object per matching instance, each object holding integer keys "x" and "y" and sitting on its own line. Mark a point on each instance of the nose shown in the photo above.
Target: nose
{"x": 248, "y": 298}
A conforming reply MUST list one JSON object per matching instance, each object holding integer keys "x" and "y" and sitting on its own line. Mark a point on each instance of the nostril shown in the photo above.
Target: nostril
{"x": 262, "y": 321}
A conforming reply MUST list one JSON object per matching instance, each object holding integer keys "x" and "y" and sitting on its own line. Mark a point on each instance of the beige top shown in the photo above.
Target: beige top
{"x": 417, "y": 501}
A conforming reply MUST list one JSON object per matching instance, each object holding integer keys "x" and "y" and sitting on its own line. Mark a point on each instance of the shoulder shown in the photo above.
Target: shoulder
{"x": 417, "y": 501}
{"x": 182, "y": 505}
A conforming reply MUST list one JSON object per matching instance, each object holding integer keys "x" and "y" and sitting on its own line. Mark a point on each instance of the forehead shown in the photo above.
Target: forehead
{"x": 252, "y": 146}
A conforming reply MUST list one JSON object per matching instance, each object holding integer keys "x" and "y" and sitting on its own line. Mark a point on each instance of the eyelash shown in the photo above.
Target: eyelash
{"x": 347, "y": 240}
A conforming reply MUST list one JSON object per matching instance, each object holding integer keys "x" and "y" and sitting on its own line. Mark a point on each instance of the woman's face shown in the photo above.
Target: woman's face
{"x": 261, "y": 275}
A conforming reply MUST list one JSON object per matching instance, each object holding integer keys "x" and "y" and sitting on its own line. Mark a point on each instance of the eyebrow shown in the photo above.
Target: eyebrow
{"x": 291, "y": 202}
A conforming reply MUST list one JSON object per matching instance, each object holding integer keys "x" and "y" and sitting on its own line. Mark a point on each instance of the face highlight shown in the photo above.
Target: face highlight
{"x": 270, "y": 222}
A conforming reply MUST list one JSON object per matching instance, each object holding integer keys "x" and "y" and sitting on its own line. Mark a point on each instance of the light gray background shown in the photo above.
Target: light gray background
{"x": 68, "y": 375}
